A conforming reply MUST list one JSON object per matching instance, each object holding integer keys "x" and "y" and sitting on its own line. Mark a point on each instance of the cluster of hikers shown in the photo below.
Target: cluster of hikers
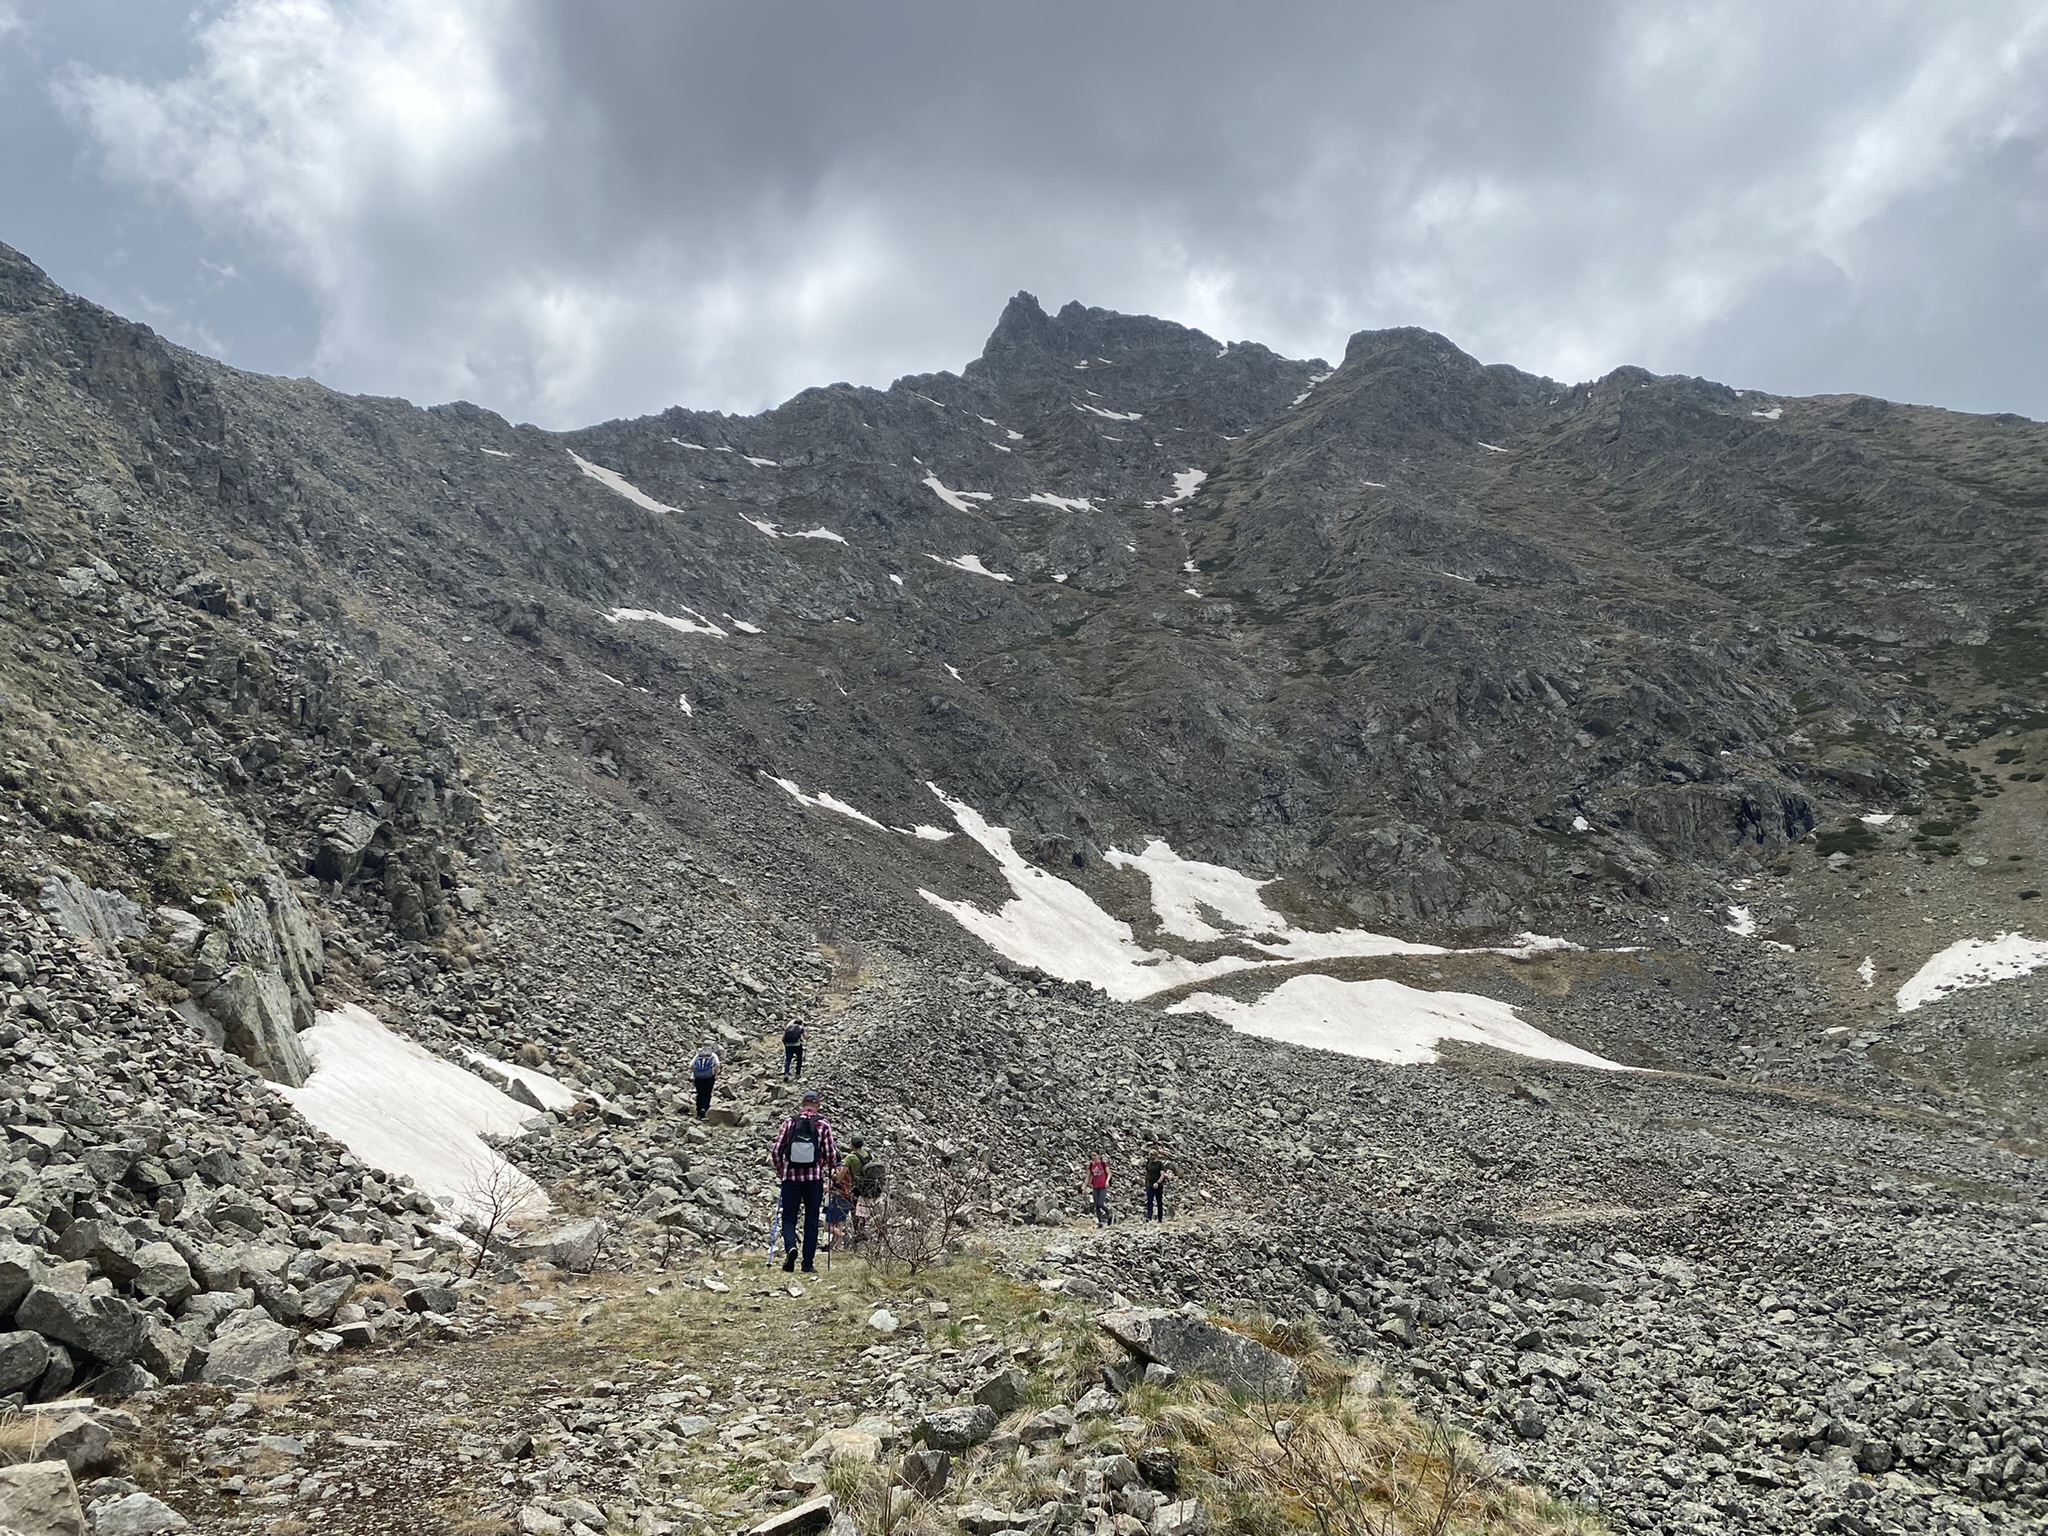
{"x": 818, "y": 1182}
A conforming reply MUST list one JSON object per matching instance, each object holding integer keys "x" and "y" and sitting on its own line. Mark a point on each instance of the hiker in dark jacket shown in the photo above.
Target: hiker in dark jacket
{"x": 704, "y": 1076}
{"x": 793, "y": 1052}
{"x": 1158, "y": 1173}
{"x": 804, "y": 1153}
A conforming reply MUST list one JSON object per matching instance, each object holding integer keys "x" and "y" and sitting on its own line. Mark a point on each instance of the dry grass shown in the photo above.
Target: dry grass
{"x": 23, "y": 1436}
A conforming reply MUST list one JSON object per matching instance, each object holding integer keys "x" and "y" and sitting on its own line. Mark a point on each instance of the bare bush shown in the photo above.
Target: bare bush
{"x": 929, "y": 1205}
{"x": 497, "y": 1197}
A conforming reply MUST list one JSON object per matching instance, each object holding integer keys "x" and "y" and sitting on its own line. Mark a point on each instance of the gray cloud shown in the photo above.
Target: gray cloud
{"x": 575, "y": 209}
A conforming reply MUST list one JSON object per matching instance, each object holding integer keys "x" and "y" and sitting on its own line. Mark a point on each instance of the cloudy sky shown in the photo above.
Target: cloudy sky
{"x": 575, "y": 209}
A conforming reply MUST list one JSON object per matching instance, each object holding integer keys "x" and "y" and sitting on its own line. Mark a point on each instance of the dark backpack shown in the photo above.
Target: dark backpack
{"x": 800, "y": 1145}
{"x": 794, "y": 1035}
{"x": 868, "y": 1182}
{"x": 706, "y": 1065}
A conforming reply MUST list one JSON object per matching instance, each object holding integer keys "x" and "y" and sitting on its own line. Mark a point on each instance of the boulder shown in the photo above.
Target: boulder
{"x": 254, "y": 1010}
{"x": 24, "y": 1356}
{"x": 1192, "y": 1345}
{"x": 1003, "y": 1393}
{"x": 165, "y": 1353}
{"x": 135, "y": 1514}
{"x": 78, "y": 1440}
{"x": 160, "y": 1271}
{"x": 317, "y": 1302}
{"x": 344, "y": 839}
{"x": 987, "y": 1519}
{"x": 21, "y": 1270}
{"x": 40, "y": 1499}
{"x": 250, "y": 1350}
{"x": 574, "y": 1246}
{"x": 956, "y": 1429}
{"x": 105, "y": 1327}
{"x": 108, "y": 1248}
{"x": 799, "y": 1519}
{"x": 926, "y": 1472}
{"x": 1188, "y": 1517}
{"x": 1048, "y": 1425}
{"x": 851, "y": 1445}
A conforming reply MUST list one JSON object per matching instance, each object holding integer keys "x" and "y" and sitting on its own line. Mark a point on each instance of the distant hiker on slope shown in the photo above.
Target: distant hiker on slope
{"x": 804, "y": 1154}
{"x": 704, "y": 1074}
{"x": 1098, "y": 1188}
{"x": 1156, "y": 1175}
{"x": 793, "y": 1052}
{"x": 863, "y": 1179}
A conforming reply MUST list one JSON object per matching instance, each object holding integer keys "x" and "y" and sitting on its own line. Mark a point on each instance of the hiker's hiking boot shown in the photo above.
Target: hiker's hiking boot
{"x": 788, "y": 1263}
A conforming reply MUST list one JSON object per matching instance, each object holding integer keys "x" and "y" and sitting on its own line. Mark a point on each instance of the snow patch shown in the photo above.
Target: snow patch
{"x": 1490, "y": 448}
{"x": 683, "y": 703}
{"x": 826, "y": 802}
{"x": 895, "y": 578}
{"x": 763, "y": 463}
{"x": 1060, "y": 503}
{"x": 1385, "y": 1021}
{"x": 960, "y": 501}
{"x": 1741, "y": 923}
{"x": 743, "y": 626}
{"x": 972, "y": 565}
{"x": 930, "y": 834}
{"x": 951, "y": 670}
{"x": 1775, "y": 413}
{"x": 496, "y": 453}
{"x": 694, "y": 624}
{"x": 777, "y": 531}
{"x": 555, "y": 1097}
{"x": 401, "y": 1108}
{"x": 1185, "y": 483}
{"x": 1878, "y": 818}
{"x": 1868, "y": 971}
{"x": 619, "y": 485}
{"x": 1106, "y": 415}
{"x": 1972, "y": 963}
{"x": 1579, "y": 823}
{"x": 693, "y": 447}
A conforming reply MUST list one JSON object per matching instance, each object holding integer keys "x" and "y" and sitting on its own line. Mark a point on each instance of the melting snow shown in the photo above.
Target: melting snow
{"x": 683, "y": 703}
{"x": 1868, "y": 971}
{"x": 399, "y": 1107}
{"x": 960, "y": 501}
{"x": 555, "y": 1097}
{"x": 930, "y": 834}
{"x": 1060, "y": 503}
{"x": 1385, "y": 1021}
{"x": 1579, "y": 823}
{"x": 743, "y": 626}
{"x": 619, "y": 485}
{"x": 1972, "y": 963}
{"x": 1490, "y": 448}
{"x": 1877, "y": 819}
{"x": 1062, "y": 576}
{"x": 496, "y": 453}
{"x": 826, "y": 802}
{"x": 1185, "y": 483}
{"x": 1313, "y": 381}
{"x": 1741, "y": 923}
{"x": 1057, "y": 927}
{"x": 952, "y": 670}
{"x": 693, "y": 447}
{"x": 895, "y": 578}
{"x": 777, "y": 531}
{"x": 764, "y": 463}
{"x": 973, "y": 566}
{"x": 1775, "y": 413}
{"x": 1096, "y": 410}
{"x": 610, "y": 679}
{"x": 1191, "y": 592}
{"x": 694, "y": 624}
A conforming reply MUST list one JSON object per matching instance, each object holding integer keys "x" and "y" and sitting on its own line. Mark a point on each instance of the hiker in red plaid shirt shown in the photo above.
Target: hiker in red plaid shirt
{"x": 804, "y": 1153}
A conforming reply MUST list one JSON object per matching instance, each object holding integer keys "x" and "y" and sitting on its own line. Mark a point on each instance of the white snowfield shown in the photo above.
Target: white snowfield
{"x": 823, "y": 801}
{"x": 1059, "y": 928}
{"x": 1385, "y": 1021}
{"x": 1061, "y": 503}
{"x": 694, "y": 623}
{"x": 1775, "y": 413}
{"x": 777, "y": 531}
{"x": 959, "y": 501}
{"x": 1972, "y": 963}
{"x": 619, "y": 485}
{"x": 1185, "y": 483}
{"x": 1740, "y": 922}
{"x": 401, "y": 1108}
{"x": 972, "y": 565}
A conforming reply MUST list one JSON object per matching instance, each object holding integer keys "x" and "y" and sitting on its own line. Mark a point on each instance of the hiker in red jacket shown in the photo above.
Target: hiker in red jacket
{"x": 804, "y": 1153}
{"x": 1098, "y": 1188}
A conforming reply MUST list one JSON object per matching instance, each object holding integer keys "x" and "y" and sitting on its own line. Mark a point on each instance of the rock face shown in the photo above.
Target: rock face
{"x": 40, "y": 1499}
{"x": 1193, "y": 1346}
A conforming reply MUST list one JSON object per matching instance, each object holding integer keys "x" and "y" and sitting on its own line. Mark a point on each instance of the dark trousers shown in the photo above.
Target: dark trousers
{"x": 804, "y": 1195}
{"x": 793, "y": 1060}
{"x": 704, "y": 1087}
{"x": 1155, "y": 1203}
{"x": 1101, "y": 1207}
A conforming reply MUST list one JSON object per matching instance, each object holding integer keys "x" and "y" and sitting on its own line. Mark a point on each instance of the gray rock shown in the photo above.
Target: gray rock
{"x": 21, "y": 1269}
{"x": 981, "y": 1519}
{"x": 1003, "y": 1393}
{"x": 107, "y": 1247}
{"x": 135, "y": 1514}
{"x": 79, "y": 1440}
{"x": 40, "y": 1499}
{"x": 1192, "y": 1345}
{"x": 160, "y": 1271}
{"x": 926, "y": 1472}
{"x": 102, "y": 918}
{"x": 24, "y": 1356}
{"x": 254, "y": 1010}
{"x": 317, "y": 1302}
{"x": 105, "y": 1327}
{"x": 799, "y": 1519}
{"x": 956, "y": 1429}
{"x": 250, "y": 1350}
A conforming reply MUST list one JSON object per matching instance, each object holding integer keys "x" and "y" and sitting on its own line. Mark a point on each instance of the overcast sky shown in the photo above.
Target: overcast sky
{"x": 575, "y": 209}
